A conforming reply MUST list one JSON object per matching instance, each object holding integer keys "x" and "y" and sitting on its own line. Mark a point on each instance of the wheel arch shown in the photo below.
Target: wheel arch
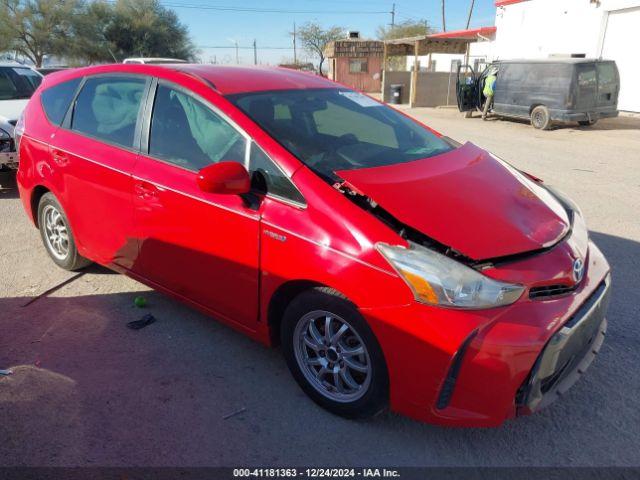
{"x": 36, "y": 194}
{"x": 279, "y": 301}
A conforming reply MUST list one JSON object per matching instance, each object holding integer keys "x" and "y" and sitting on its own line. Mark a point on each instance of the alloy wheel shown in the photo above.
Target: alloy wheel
{"x": 56, "y": 232}
{"x": 332, "y": 356}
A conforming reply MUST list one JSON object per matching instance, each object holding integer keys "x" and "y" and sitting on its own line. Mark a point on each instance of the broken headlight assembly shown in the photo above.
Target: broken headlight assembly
{"x": 436, "y": 279}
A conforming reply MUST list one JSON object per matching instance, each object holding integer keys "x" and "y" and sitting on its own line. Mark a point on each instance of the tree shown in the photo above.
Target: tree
{"x": 93, "y": 32}
{"x": 314, "y": 39}
{"x": 35, "y": 28}
{"x": 408, "y": 28}
{"x": 146, "y": 28}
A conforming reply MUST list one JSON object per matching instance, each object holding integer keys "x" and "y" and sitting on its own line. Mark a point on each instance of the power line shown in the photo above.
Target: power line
{"x": 227, "y": 8}
{"x": 239, "y": 47}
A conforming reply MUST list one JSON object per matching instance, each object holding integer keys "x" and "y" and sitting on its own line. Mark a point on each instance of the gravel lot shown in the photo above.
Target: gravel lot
{"x": 88, "y": 391}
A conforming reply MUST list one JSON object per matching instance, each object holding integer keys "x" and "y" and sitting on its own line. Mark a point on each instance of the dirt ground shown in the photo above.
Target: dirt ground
{"x": 88, "y": 391}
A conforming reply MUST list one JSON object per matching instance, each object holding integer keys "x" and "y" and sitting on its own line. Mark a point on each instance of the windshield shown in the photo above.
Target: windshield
{"x": 18, "y": 82}
{"x": 332, "y": 129}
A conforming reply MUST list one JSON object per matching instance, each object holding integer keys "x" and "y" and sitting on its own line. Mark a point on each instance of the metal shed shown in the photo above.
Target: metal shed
{"x": 421, "y": 84}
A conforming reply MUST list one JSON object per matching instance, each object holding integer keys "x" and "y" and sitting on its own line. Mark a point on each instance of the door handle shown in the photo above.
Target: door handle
{"x": 145, "y": 190}
{"x": 59, "y": 157}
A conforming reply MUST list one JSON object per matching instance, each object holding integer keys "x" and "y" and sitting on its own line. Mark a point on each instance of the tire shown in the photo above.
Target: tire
{"x": 587, "y": 123}
{"x": 358, "y": 394}
{"x": 540, "y": 118}
{"x": 57, "y": 236}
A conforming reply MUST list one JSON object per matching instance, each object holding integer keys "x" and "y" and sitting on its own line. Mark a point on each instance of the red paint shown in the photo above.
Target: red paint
{"x": 504, "y": 3}
{"x": 469, "y": 33}
{"x": 228, "y": 178}
{"x": 448, "y": 198}
{"x": 215, "y": 252}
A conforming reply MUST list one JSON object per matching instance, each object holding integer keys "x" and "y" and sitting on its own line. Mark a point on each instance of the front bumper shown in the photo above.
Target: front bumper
{"x": 471, "y": 368}
{"x": 568, "y": 353}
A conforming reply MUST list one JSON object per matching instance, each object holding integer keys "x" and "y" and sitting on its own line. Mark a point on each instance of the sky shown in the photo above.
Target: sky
{"x": 224, "y": 22}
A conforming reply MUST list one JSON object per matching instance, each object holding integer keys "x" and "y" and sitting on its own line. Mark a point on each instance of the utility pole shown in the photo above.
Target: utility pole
{"x": 295, "y": 52}
{"x": 393, "y": 16}
{"x": 470, "y": 13}
{"x": 255, "y": 53}
{"x": 444, "y": 23}
{"x": 237, "y": 58}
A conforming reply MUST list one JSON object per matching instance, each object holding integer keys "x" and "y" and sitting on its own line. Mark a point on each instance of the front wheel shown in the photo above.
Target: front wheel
{"x": 333, "y": 354}
{"x": 57, "y": 236}
{"x": 540, "y": 118}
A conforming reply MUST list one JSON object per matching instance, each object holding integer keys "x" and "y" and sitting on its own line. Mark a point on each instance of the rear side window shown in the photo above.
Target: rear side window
{"x": 187, "y": 133}
{"x": 107, "y": 109}
{"x": 56, "y": 100}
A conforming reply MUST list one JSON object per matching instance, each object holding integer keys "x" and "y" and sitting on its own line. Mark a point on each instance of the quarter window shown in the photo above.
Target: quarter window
{"x": 266, "y": 177}
{"x": 107, "y": 109}
{"x": 187, "y": 133}
{"x": 56, "y": 100}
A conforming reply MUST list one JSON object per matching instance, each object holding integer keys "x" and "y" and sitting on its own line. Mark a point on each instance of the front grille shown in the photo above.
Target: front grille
{"x": 547, "y": 291}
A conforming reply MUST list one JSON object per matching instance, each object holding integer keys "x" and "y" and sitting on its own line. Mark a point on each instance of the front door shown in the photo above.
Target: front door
{"x": 95, "y": 152}
{"x": 466, "y": 88}
{"x": 201, "y": 246}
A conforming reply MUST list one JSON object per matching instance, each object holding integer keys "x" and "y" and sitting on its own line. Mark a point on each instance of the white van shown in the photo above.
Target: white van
{"x": 17, "y": 84}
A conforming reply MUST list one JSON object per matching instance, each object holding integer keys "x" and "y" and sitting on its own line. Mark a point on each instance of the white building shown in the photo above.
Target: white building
{"x": 607, "y": 29}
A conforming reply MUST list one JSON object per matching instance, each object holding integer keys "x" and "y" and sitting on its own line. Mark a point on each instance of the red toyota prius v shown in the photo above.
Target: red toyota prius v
{"x": 395, "y": 267}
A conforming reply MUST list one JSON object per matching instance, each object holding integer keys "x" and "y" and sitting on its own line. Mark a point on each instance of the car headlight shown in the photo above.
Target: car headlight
{"x": 4, "y": 135}
{"x": 436, "y": 279}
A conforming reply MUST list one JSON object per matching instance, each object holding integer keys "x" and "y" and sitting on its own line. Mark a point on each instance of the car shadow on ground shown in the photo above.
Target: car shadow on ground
{"x": 187, "y": 391}
{"x": 607, "y": 124}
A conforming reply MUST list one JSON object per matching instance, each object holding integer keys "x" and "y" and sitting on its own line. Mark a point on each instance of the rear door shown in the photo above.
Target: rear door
{"x": 587, "y": 86}
{"x": 467, "y": 88}
{"x": 608, "y": 84}
{"x": 94, "y": 153}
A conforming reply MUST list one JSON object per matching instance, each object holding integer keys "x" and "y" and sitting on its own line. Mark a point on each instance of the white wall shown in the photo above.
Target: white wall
{"x": 541, "y": 28}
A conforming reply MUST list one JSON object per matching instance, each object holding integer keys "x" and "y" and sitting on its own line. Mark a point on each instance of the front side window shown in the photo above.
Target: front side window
{"x": 18, "y": 82}
{"x": 187, "y": 133}
{"x": 107, "y": 108}
{"x": 56, "y": 100}
{"x": 335, "y": 129}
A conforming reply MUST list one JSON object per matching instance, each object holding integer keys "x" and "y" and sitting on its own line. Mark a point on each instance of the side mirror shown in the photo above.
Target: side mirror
{"x": 229, "y": 178}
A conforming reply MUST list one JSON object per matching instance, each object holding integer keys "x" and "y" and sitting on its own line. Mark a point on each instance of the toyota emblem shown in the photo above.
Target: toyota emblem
{"x": 578, "y": 270}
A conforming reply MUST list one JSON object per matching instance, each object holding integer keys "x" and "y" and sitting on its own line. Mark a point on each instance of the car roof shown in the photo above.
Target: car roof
{"x": 153, "y": 59}
{"x": 231, "y": 79}
{"x": 15, "y": 65}
{"x": 225, "y": 79}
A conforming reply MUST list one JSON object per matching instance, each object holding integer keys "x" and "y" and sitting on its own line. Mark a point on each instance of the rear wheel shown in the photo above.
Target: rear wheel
{"x": 540, "y": 118}
{"x": 333, "y": 354}
{"x": 587, "y": 123}
{"x": 57, "y": 236}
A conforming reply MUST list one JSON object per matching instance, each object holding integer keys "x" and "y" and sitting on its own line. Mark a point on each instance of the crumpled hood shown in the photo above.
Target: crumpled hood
{"x": 468, "y": 200}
